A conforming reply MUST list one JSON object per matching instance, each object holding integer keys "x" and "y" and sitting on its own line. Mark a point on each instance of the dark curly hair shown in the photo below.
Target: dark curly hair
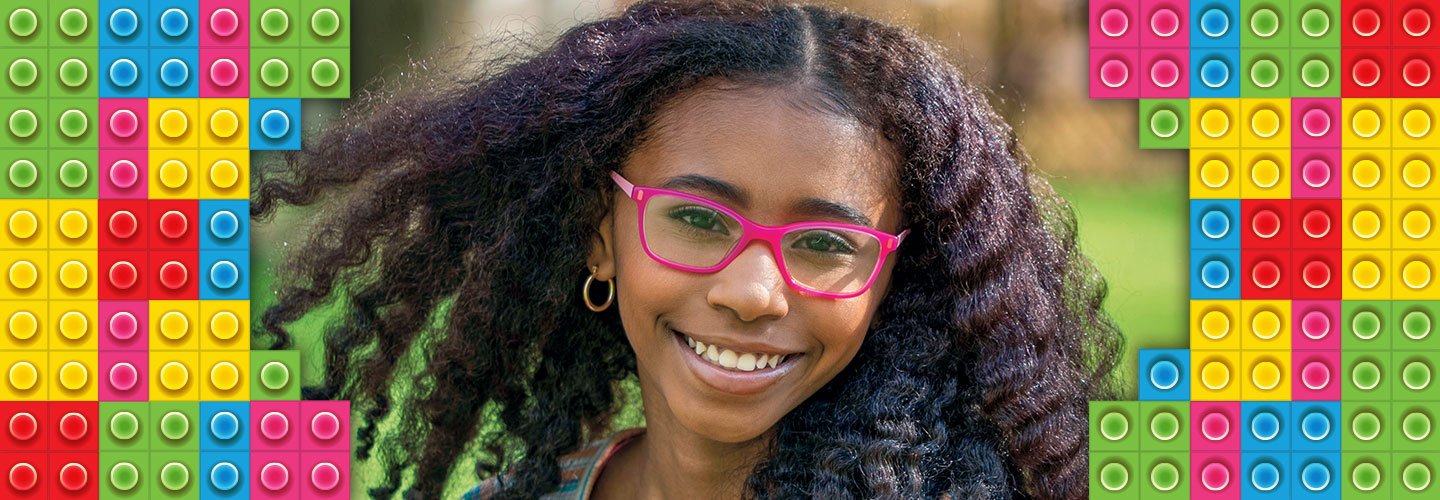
{"x": 974, "y": 382}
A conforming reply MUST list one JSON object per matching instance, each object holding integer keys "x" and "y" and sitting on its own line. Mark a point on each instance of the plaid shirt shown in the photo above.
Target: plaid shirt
{"x": 578, "y": 470}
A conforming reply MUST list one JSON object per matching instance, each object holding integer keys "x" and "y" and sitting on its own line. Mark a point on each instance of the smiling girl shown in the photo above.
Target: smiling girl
{"x": 821, "y": 254}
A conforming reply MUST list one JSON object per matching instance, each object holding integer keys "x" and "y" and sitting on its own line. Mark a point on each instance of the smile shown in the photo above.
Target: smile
{"x": 731, "y": 359}
{"x": 747, "y": 372}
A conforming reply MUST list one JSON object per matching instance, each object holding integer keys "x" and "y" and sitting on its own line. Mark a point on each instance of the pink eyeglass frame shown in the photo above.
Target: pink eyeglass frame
{"x": 751, "y": 231}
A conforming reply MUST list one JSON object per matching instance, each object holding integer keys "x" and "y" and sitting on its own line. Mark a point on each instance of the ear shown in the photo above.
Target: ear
{"x": 602, "y": 249}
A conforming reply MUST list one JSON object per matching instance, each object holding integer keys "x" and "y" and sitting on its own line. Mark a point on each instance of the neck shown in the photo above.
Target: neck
{"x": 672, "y": 461}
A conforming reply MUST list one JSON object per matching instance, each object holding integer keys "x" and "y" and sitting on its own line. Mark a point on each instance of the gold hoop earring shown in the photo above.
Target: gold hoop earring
{"x": 586, "y": 293}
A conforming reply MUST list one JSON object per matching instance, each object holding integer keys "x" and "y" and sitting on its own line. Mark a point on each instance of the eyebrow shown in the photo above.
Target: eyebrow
{"x": 733, "y": 194}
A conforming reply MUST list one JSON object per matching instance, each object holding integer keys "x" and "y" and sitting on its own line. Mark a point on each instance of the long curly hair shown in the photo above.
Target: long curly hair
{"x": 974, "y": 381}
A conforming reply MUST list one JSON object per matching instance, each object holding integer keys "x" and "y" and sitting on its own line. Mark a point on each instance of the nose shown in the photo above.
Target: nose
{"x": 751, "y": 286}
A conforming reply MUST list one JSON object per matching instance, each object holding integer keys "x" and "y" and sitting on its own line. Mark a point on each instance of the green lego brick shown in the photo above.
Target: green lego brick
{"x": 1164, "y": 476}
{"x": 1265, "y": 23}
{"x": 23, "y": 174}
{"x": 276, "y": 23}
{"x": 1365, "y": 475}
{"x": 325, "y": 23}
{"x": 1315, "y": 72}
{"x": 125, "y": 426}
{"x": 187, "y": 480}
{"x": 1413, "y": 475}
{"x": 63, "y": 165}
{"x": 1264, "y": 73}
{"x": 1414, "y": 375}
{"x": 276, "y": 72}
{"x": 326, "y": 73}
{"x": 1414, "y": 426}
{"x": 1315, "y": 23}
{"x": 27, "y": 73}
{"x": 73, "y": 73}
{"x": 169, "y": 432}
{"x": 1366, "y": 376}
{"x": 1164, "y": 426}
{"x": 26, "y": 23}
{"x": 284, "y": 384}
{"x": 25, "y": 124}
{"x": 1416, "y": 321}
{"x": 74, "y": 23}
{"x": 1114, "y": 474}
{"x": 1161, "y": 116}
{"x": 1365, "y": 325}
{"x": 120, "y": 481}
{"x": 74, "y": 123}
{"x": 1363, "y": 426}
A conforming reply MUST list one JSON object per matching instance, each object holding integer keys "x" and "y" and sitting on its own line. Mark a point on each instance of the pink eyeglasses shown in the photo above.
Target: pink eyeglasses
{"x": 691, "y": 233}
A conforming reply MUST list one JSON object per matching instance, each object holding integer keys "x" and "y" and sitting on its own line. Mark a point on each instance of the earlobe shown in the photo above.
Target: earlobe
{"x": 602, "y": 249}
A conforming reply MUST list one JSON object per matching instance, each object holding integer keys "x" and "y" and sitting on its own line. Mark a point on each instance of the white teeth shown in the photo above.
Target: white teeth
{"x": 733, "y": 360}
{"x": 746, "y": 362}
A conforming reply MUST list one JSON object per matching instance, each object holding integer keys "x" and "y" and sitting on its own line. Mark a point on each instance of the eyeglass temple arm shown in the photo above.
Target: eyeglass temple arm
{"x": 624, "y": 184}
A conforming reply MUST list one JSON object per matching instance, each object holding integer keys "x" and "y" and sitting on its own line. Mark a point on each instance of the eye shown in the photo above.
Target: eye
{"x": 700, "y": 218}
{"x": 825, "y": 242}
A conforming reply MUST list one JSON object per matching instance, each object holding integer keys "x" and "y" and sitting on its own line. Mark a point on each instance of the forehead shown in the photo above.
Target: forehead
{"x": 774, "y": 146}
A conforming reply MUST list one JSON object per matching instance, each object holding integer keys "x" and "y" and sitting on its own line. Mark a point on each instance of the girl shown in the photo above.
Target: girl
{"x": 821, "y": 254}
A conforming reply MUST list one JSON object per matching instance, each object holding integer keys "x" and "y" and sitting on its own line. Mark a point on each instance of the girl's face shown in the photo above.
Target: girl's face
{"x": 774, "y": 155}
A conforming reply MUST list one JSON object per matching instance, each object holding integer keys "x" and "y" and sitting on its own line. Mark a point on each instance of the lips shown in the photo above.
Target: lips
{"x": 739, "y": 383}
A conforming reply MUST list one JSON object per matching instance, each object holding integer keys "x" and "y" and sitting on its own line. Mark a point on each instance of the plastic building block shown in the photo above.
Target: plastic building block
{"x": 1414, "y": 176}
{"x": 1214, "y": 325}
{"x": 1164, "y": 375}
{"x": 1315, "y": 72}
{"x": 224, "y": 376}
{"x": 1214, "y": 173}
{"x": 1316, "y": 376}
{"x": 1215, "y": 73}
{"x": 124, "y": 73}
{"x": 1412, "y": 474}
{"x": 276, "y": 425}
{"x": 1215, "y": 375}
{"x": 1164, "y": 124}
{"x": 75, "y": 23}
{"x": 1164, "y": 23}
{"x": 1414, "y": 374}
{"x": 277, "y": 23}
{"x": 1265, "y": 274}
{"x": 1315, "y": 123}
{"x": 224, "y": 474}
{"x": 1265, "y": 474}
{"x": 326, "y": 23}
{"x": 73, "y": 426}
{"x": 1413, "y": 222}
{"x": 1215, "y": 224}
{"x": 73, "y": 376}
{"x": 325, "y": 473}
{"x": 1264, "y": 23}
{"x": 173, "y": 123}
{"x": 1266, "y": 73}
{"x": 1316, "y": 426}
{"x": 178, "y": 473}
{"x": 1365, "y": 474}
{"x": 1266, "y": 173}
{"x": 271, "y": 472}
{"x": 74, "y": 324}
{"x": 1264, "y": 224}
{"x": 1414, "y": 424}
{"x": 277, "y": 73}
{"x": 24, "y": 326}
{"x": 1265, "y": 426}
{"x": 224, "y": 23}
{"x": 1266, "y": 376}
{"x": 174, "y": 325}
{"x": 1366, "y": 275}
{"x": 123, "y": 325}
{"x": 1412, "y": 73}
{"x": 1215, "y": 475}
{"x": 1113, "y": 23}
{"x": 76, "y": 73}
{"x": 1366, "y": 23}
{"x": 1364, "y": 426}
{"x": 225, "y": 73}
{"x": 123, "y": 124}
{"x": 175, "y": 224}
{"x": 26, "y": 376}
{"x": 326, "y": 426}
{"x": 1367, "y": 174}
{"x": 1367, "y": 376}
{"x": 1214, "y": 123}
{"x": 275, "y": 124}
{"x": 225, "y": 174}
{"x": 327, "y": 73}
{"x": 174, "y": 174}
{"x": 124, "y": 376}
{"x": 1316, "y": 274}
{"x": 73, "y": 275}
{"x": 1413, "y": 275}
{"x": 1366, "y": 72}
{"x": 275, "y": 375}
{"x": 1414, "y": 123}
{"x": 1265, "y": 324}
{"x": 74, "y": 224}
{"x": 225, "y": 325}
{"x": 123, "y": 174}
{"x": 225, "y": 124}
{"x": 1414, "y": 325}
{"x": 224, "y": 425}
{"x": 1317, "y": 475}
{"x": 226, "y": 275}
{"x": 1215, "y": 23}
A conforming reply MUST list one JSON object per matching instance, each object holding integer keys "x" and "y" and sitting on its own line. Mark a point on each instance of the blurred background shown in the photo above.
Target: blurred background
{"x": 1031, "y": 54}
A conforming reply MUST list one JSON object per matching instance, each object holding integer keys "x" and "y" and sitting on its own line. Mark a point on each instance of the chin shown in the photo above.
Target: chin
{"x": 727, "y": 426}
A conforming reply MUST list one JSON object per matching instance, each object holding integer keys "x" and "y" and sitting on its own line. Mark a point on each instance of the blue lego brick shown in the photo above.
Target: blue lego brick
{"x": 1315, "y": 426}
{"x": 1265, "y": 475}
{"x": 224, "y": 433}
{"x": 1215, "y": 224}
{"x": 1315, "y": 475}
{"x": 1215, "y": 23}
{"x": 274, "y": 131}
{"x": 1215, "y": 73}
{"x": 1265, "y": 426}
{"x": 224, "y": 274}
{"x": 174, "y": 72}
{"x": 174, "y": 23}
{"x": 215, "y": 474}
{"x": 1214, "y": 274}
{"x": 124, "y": 23}
{"x": 224, "y": 224}
{"x": 124, "y": 72}
{"x": 1164, "y": 375}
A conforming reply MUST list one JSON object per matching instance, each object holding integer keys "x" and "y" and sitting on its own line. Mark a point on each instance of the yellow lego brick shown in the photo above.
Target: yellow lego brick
{"x": 75, "y": 375}
{"x": 225, "y": 174}
{"x": 175, "y": 375}
{"x": 1266, "y": 324}
{"x": 1414, "y": 122}
{"x": 1414, "y": 275}
{"x": 76, "y": 325}
{"x": 1214, "y": 375}
{"x": 27, "y": 325}
{"x": 1266, "y": 123}
{"x": 1365, "y": 174}
{"x": 1366, "y": 275}
{"x": 226, "y": 375}
{"x": 1366, "y": 224}
{"x": 174, "y": 123}
{"x": 1215, "y": 324}
{"x": 1215, "y": 123}
{"x": 26, "y": 224}
{"x": 174, "y": 174}
{"x": 1415, "y": 173}
{"x": 174, "y": 325}
{"x": 26, "y": 274}
{"x": 73, "y": 224}
{"x": 1414, "y": 223}
{"x": 226, "y": 325}
{"x": 74, "y": 274}
{"x": 1215, "y": 173}
{"x": 1267, "y": 174}
{"x": 226, "y": 124}
{"x": 1366, "y": 123}
{"x": 1266, "y": 375}
{"x": 25, "y": 376}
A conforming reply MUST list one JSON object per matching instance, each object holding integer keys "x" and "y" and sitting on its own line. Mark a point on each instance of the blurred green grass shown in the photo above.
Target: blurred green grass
{"x": 1133, "y": 230}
